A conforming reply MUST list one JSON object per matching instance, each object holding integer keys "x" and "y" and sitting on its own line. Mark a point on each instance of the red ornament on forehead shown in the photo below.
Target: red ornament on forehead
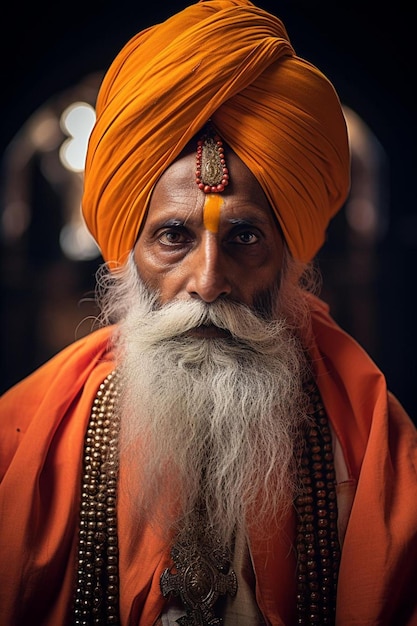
{"x": 212, "y": 175}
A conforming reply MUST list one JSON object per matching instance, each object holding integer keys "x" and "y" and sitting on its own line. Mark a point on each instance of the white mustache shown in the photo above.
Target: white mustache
{"x": 176, "y": 318}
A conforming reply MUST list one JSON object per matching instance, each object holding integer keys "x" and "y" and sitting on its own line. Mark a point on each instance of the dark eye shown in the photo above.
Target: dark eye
{"x": 173, "y": 237}
{"x": 246, "y": 237}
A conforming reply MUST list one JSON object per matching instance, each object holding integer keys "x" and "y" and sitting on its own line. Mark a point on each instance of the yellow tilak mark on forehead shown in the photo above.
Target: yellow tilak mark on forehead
{"x": 211, "y": 212}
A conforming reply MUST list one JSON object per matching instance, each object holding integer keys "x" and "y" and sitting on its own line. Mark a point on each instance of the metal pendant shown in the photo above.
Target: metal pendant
{"x": 200, "y": 575}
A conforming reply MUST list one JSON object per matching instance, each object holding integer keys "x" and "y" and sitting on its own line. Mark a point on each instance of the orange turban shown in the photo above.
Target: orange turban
{"x": 230, "y": 61}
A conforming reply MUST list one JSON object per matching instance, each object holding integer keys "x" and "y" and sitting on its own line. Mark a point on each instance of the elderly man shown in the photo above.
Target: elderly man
{"x": 220, "y": 451}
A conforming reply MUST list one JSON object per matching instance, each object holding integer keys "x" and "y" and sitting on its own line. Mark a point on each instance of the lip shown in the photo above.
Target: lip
{"x": 208, "y": 332}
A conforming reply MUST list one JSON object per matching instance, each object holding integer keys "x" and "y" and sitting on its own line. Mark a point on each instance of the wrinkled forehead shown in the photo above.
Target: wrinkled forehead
{"x": 214, "y": 187}
{"x": 227, "y": 178}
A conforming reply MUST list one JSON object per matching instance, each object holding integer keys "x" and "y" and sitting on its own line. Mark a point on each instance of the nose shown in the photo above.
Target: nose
{"x": 208, "y": 278}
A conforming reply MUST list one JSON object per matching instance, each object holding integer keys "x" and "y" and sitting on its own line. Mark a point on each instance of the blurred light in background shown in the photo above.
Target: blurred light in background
{"x": 77, "y": 122}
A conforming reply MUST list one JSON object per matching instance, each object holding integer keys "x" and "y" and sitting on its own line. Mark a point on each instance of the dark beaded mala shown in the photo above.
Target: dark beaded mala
{"x": 97, "y": 586}
{"x": 318, "y": 552}
{"x": 317, "y": 542}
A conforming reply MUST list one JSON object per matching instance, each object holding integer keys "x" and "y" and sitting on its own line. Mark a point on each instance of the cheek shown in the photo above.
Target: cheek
{"x": 146, "y": 267}
{"x": 141, "y": 261}
{"x": 265, "y": 279}
{"x": 158, "y": 279}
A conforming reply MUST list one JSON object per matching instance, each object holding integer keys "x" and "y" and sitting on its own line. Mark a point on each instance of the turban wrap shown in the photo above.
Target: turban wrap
{"x": 233, "y": 63}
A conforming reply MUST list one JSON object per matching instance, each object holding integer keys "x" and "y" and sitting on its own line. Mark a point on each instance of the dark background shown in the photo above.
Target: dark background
{"x": 368, "y": 51}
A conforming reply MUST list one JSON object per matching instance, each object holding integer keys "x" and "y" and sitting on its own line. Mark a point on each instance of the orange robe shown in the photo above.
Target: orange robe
{"x": 42, "y": 429}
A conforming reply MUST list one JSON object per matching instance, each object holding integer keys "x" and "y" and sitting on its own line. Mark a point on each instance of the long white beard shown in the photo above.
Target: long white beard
{"x": 208, "y": 423}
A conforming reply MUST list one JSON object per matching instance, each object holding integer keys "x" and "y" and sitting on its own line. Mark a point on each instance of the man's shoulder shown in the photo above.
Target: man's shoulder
{"x": 93, "y": 345}
{"x": 36, "y": 405}
{"x": 67, "y": 366}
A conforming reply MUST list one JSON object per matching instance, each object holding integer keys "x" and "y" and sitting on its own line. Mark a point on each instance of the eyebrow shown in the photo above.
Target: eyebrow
{"x": 239, "y": 221}
{"x": 234, "y": 221}
{"x": 174, "y": 221}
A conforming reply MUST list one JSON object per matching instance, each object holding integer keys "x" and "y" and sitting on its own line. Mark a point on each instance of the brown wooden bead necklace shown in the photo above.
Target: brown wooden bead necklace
{"x": 317, "y": 542}
{"x": 96, "y": 596}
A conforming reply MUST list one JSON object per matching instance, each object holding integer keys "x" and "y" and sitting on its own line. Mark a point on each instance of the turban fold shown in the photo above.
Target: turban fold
{"x": 233, "y": 63}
